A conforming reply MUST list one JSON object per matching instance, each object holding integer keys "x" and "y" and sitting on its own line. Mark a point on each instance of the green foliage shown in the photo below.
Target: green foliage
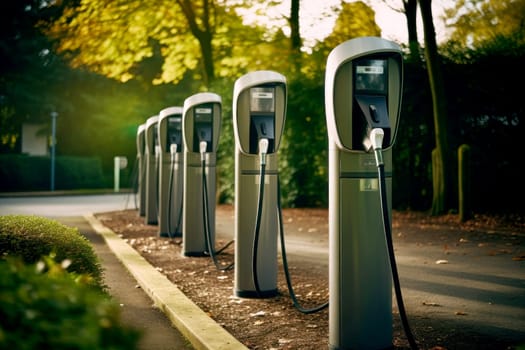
{"x": 156, "y": 43}
{"x": 44, "y": 307}
{"x": 226, "y": 148}
{"x": 31, "y": 237}
{"x": 356, "y": 19}
{"x": 28, "y": 69}
{"x": 25, "y": 173}
{"x": 476, "y": 23}
{"x": 304, "y": 151}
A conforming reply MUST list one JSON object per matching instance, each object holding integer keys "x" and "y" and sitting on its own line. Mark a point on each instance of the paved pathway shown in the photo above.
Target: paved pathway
{"x": 137, "y": 307}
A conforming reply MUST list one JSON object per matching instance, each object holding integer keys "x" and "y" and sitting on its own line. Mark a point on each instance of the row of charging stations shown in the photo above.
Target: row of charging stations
{"x": 363, "y": 87}
{"x": 176, "y": 150}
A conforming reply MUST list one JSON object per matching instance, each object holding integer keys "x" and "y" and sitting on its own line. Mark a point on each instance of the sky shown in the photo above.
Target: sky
{"x": 317, "y": 21}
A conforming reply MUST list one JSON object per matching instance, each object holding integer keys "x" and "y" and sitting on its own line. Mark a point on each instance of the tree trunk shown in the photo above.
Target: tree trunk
{"x": 203, "y": 34}
{"x": 442, "y": 159}
{"x": 410, "y": 7}
{"x": 464, "y": 179}
{"x": 295, "y": 37}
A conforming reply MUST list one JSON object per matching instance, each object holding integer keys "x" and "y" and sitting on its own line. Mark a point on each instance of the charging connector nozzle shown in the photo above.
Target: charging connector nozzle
{"x": 263, "y": 150}
{"x": 376, "y": 137}
{"x": 202, "y": 148}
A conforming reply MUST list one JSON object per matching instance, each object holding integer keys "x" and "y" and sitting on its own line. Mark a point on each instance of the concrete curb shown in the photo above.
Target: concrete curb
{"x": 188, "y": 318}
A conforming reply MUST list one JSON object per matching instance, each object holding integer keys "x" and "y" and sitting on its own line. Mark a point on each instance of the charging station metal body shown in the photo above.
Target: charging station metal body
{"x": 150, "y": 153}
{"x": 201, "y": 121}
{"x": 259, "y": 109}
{"x": 363, "y": 82}
{"x": 170, "y": 173}
{"x": 141, "y": 169}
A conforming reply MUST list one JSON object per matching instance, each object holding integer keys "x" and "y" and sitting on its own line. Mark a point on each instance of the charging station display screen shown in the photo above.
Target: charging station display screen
{"x": 174, "y": 132}
{"x": 262, "y": 99}
{"x": 370, "y": 76}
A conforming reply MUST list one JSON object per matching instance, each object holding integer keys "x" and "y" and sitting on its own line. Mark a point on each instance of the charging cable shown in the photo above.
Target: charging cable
{"x": 205, "y": 216}
{"x": 376, "y": 137}
{"x": 157, "y": 187}
{"x": 296, "y": 303}
{"x": 263, "y": 150}
{"x": 173, "y": 154}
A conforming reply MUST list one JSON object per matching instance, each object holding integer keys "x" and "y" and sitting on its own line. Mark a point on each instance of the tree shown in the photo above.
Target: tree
{"x": 442, "y": 158}
{"x": 28, "y": 70}
{"x": 205, "y": 38}
{"x": 477, "y": 22}
{"x": 409, "y": 9}
{"x": 295, "y": 35}
{"x": 354, "y": 20}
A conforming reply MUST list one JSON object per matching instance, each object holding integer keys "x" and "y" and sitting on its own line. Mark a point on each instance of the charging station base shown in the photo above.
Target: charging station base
{"x": 253, "y": 294}
{"x": 172, "y": 235}
{"x": 196, "y": 254}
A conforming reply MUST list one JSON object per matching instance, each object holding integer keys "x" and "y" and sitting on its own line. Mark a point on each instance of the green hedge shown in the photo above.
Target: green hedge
{"x": 31, "y": 237}
{"x": 30, "y": 173}
{"x": 44, "y": 307}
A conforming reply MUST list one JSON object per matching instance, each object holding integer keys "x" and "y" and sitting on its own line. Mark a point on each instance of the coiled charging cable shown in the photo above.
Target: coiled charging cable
{"x": 173, "y": 153}
{"x": 205, "y": 215}
{"x": 263, "y": 150}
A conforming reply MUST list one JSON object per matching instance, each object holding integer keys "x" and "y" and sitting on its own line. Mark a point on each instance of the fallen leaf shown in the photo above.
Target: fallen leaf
{"x": 430, "y": 304}
{"x": 460, "y": 313}
{"x": 440, "y": 262}
{"x": 258, "y": 314}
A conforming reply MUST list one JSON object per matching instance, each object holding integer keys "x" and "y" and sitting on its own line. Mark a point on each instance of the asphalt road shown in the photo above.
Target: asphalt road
{"x": 50, "y": 205}
{"x": 475, "y": 286}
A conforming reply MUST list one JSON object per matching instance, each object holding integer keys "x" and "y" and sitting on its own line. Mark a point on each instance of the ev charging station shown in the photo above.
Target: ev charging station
{"x": 259, "y": 109}
{"x": 141, "y": 166}
{"x": 201, "y": 123}
{"x": 150, "y": 155}
{"x": 362, "y": 92}
{"x": 170, "y": 171}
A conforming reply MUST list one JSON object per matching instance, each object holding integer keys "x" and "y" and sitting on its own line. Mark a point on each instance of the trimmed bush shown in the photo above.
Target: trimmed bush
{"x": 32, "y": 237}
{"x": 44, "y": 307}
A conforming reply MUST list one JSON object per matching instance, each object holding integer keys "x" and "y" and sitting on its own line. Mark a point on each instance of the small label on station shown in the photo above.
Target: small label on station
{"x": 202, "y": 110}
{"x": 368, "y": 184}
{"x": 369, "y": 70}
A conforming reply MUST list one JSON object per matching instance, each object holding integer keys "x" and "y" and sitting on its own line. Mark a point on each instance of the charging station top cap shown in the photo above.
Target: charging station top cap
{"x": 169, "y": 111}
{"x": 339, "y": 85}
{"x": 241, "y": 105}
{"x": 151, "y": 134}
{"x": 141, "y": 128}
{"x": 208, "y": 102}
